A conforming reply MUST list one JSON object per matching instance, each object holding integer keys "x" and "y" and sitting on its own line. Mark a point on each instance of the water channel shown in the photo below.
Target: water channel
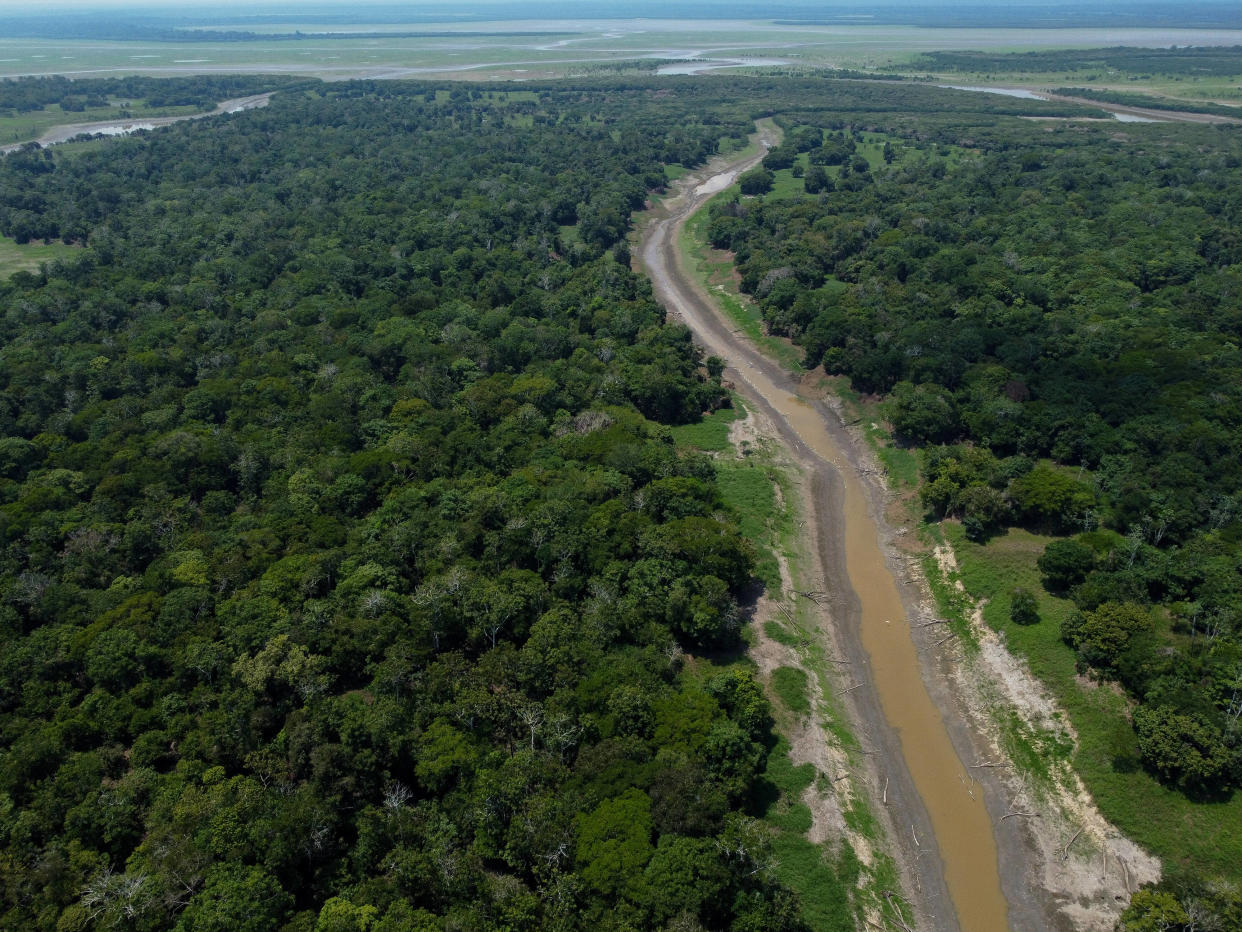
{"x": 961, "y": 829}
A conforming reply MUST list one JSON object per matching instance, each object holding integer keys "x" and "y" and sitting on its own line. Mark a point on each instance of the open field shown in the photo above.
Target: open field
{"x": 541, "y": 48}
{"x": 28, "y": 258}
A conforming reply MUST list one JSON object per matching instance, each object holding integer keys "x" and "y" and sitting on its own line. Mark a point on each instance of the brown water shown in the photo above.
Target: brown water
{"x": 964, "y": 830}
{"x": 962, "y": 826}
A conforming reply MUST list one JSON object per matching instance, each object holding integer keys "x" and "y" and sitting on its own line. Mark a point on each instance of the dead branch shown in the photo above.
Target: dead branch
{"x": 886, "y": 791}
{"x": 1065, "y": 850}
{"x": 1010, "y": 815}
{"x": 929, "y": 624}
{"x": 851, "y": 689}
{"x": 889, "y": 896}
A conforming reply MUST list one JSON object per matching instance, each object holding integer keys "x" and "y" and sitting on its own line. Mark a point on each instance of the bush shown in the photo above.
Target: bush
{"x": 1023, "y": 608}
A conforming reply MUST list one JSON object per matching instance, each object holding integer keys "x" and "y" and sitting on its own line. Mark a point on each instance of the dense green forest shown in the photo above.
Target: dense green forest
{"x": 350, "y": 577}
{"x": 1128, "y": 99}
{"x": 1061, "y": 313}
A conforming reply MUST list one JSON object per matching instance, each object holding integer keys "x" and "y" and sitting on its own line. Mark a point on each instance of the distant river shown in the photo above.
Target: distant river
{"x": 1007, "y": 91}
{"x": 1125, "y": 115}
{"x": 68, "y": 131}
{"x": 711, "y": 64}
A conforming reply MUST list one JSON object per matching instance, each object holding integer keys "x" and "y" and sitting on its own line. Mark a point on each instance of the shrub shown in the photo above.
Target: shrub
{"x": 1023, "y": 608}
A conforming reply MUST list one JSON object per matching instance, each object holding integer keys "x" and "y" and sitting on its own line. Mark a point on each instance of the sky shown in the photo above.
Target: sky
{"x": 532, "y": 8}
{"x": 426, "y": 10}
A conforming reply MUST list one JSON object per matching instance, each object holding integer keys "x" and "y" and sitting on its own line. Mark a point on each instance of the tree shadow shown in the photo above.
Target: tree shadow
{"x": 733, "y": 649}
{"x": 764, "y": 795}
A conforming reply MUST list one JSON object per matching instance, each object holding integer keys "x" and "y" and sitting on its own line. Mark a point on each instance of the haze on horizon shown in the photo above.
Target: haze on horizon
{"x": 1162, "y": 13}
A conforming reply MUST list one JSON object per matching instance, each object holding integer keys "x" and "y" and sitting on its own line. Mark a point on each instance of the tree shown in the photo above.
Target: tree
{"x": 684, "y": 874}
{"x": 1152, "y": 911}
{"x": 925, "y": 413}
{"x": 816, "y": 180}
{"x": 1184, "y": 750}
{"x": 614, "y": 844}
{"x": 782, "y": 156}
{"x": 444, "y": 752}
{"x": 340, "y": 915}
{"x": 1048, "y": 497}
{"x": 1102, "y": 635}
{"x": 236, "y": 898}
{"x": 756, "y": 181}
{"x": 1065, "y": 563}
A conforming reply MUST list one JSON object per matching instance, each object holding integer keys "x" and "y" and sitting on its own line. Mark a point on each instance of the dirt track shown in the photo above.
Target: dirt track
{"x": 924, "y": 816}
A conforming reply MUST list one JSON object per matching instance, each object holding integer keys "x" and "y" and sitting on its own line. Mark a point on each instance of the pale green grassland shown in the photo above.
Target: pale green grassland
{"x": 28, "y": 258}
{"x": 570, "y": 47}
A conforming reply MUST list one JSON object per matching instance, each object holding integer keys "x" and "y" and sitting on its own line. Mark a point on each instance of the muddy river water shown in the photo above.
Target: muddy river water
{"x": 961, "y": 827}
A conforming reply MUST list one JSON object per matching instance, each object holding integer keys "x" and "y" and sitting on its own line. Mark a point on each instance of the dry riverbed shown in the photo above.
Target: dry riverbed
{"x": 980, "y": 845}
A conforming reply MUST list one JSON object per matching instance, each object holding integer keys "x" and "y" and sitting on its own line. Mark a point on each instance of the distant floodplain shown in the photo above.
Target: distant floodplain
{"x": 532, "y": 49}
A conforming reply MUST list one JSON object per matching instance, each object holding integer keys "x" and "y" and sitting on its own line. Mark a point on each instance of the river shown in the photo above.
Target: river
{"x": 943, "y": 831}
{"x": 67, "y": 131}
